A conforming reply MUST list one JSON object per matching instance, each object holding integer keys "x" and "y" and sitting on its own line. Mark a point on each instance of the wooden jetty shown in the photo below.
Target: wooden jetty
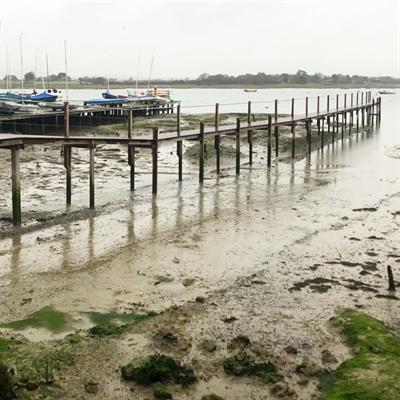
{"x": 361, "y": 109}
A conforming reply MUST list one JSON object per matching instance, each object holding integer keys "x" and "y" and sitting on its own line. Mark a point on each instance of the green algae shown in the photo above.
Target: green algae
{"x": 374, "y": 372}
{"x": 34, "y": 365}
{"x": 158, "y": 368}
{"x": 47, "y": 318}
{"x": 113, "y": 323}
{"x": 243, "y": 364}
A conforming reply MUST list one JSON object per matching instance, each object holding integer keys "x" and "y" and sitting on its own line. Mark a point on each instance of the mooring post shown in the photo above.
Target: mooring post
{"x": 201, "y": 153}
{"x": 237, "y": 146}
{"x": 269, "y": 150}
{"x": 276, "y": 130}
{"x": 91, "y": 175}
{"x": 327, "y": 103}
{"x": 392, "y": 285}
{"x": 306, "y": 106}
{"x": 249, "y": 133}
{"x": 16, "y": 185}
{"x": 131, "y": 151}
{"x": 308, "y": 127}
{"x": 154, "y": 156}
{"x": 292, "y": 109}
{"x": 217, "y": 139}
{"x": 380, "y": 109}
{"x": 179, "y": 142}
{"x": 67, "y": 156}
{"x": 293, "y": 126}
{"x": 318, "y": 104}
{"x": 345, "y": 112}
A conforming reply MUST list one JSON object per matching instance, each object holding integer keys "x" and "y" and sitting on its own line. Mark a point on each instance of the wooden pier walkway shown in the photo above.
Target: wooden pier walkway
{"x": 364, "y": 112}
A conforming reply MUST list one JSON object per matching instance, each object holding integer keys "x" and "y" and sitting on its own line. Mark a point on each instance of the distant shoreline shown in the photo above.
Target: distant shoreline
{"x": 76, "y": 85}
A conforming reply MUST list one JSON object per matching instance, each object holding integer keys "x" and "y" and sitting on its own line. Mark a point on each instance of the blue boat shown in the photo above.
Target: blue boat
{"x": 103, "y": 101}
{"x": 10, "y": 96}
{"x": 109, "y": 95}
{"x": 45, "y": 96}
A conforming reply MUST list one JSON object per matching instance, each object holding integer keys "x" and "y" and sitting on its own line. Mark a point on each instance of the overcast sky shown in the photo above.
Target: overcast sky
{"x": 191, "y": 37}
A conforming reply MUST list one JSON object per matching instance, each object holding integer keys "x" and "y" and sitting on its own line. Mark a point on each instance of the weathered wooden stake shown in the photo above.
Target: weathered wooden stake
{"x": 308, "y": 127}
{"x": 318, "y": 104}
{"x": 342, "y": 125}
{"x": 293, "y": 126}
{"x": 392, "y": 285}
{"x": 91, "y": 176}
{"x": 292, "y": 109}
{"x": 201, "y": 153}
{"x": 154, "y": 153}
{"x": 217, "y": 139}
{"x": 269, "y": 149}
{"x": 345, "y": 113}
{"x": 276, "y": 130}
{"x": 238, "y": 146}
{"x": 16, "y": 185}
{"x": 179, "y": 142}
{"x": 67, "y": 157}
{"x": 249, "y": 134}
{"x": 306, "y": 106}
{"x": 131, "y": 151}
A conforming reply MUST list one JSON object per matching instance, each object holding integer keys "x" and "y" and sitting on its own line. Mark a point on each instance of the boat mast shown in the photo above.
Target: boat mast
{"x": 22, "y": 67}
{"x": 8, "y": 73}
{"x": 47, "y": 70}
{"x": 151, "y": 70}
{"x": 66, "y": 70}
{"x": 137, "y": 73}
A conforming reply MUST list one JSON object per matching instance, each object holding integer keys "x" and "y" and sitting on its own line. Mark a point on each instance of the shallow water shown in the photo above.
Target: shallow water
{"x": 109, "y": 259}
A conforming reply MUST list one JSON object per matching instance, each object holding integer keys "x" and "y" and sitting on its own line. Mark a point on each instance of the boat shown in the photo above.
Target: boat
{"x": 250, "y": 90}
{"x": 108, "y": 95}
{"x": 385, "y": 92}
{"x": 9, "y": 106}
{"x": 44, "y": 97}
{"x": 11, "y": 96}
{"x": 105, "y": 102}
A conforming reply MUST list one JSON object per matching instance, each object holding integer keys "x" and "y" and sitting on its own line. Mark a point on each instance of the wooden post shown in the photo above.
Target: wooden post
{"x": 217, "y": 139}
{"x": 201, "y": 153}
{"x": 380, "y": 109}
{"x": 292, "y": 109}
{"x": 131, "y": 151}
{"x": 154, "y": 153}
{"x": 373, "y": 113}
{"x": 16, "y": 185}
{"x": 179, "y": 142}
{"x": 351, "y": 121}
{"x": 269, "y": 150}
{"x": 67, "y": 157}
{"x": 318, "y": 104}
{"x": 306, "y": 106}
{"x": 327, "y": 103}
{"x": 249, "y": 134}
{"x": 238, "y": 146}
{"x": 345, "y": 113}
{"x": 337, "y": 102}
{"x": 276, "y": 130}
{"x": 293, "y": 126}
{"x": 342, "y": 125}
{"x": 322, "y": 132}
{"x": 91, "y": 175}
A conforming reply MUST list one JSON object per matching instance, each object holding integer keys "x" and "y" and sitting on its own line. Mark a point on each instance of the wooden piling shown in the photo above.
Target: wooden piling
{"x": 249, "y": 134}
{"x": 201, "y": 153}
{"x": 269, "y": 149}
{"x": 292, "y": 109}
{"x": 154, "y": 154}
{"x": 293, "y": 128}
{"x": 318, "y": 104}
{"x": 131, "y": 151}
{"x": 67, "y": 157}
{"x": 342, "y": 125}
{"x": 179, "y": 142}
{"x": 91, "y": 176}
{"x": 16, "y": 185}
{"x": 345, "y": 113}
{"x": 217, "y": 139}
{"x": 276, "y": 130}
{"x": 306, "y": 106}
{"x": 308, "y": 127}
{"x": 237, "y": 146}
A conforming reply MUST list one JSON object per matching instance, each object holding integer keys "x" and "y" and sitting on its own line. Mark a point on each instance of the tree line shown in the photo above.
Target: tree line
{"x": 301, "y": 77}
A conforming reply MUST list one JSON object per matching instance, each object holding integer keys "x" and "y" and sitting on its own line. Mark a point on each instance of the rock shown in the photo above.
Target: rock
{"x": 209, "y": 345}
{"x": 290, "y": 350}
{"x": 282, "y": 390}
{"x": 228, "y": 320}
{"x": 91, "y": 387}
{"x": 327, "y": 357}
{"x": 200, "y": 299}
{"x": 188, "y": 282}
{"x": 176, "y": 260}
{"x": 240, "y": 341}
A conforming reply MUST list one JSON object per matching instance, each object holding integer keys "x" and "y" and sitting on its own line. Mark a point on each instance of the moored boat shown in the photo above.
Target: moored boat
{"x": 44, "y": 96}
{"x": 250, "y": 90}
{"x": 385, "y": 92}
